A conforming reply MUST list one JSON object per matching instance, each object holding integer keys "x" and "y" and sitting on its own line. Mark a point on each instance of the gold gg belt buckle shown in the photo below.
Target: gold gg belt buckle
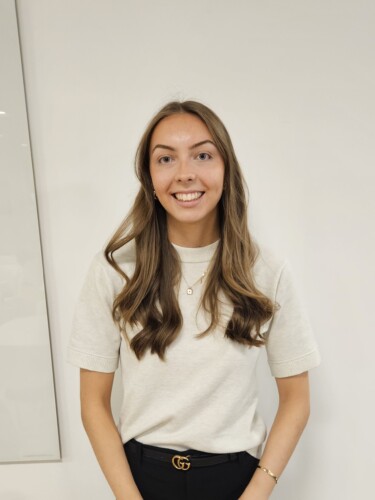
{"x": 181, "y": 462}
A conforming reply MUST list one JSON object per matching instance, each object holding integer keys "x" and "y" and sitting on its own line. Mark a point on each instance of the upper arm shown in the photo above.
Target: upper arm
{"x": 294, "y": 389}
{"x": 95, "y": 388}
{"x": 95, "y": 339}
{"x": 290, "y": 341}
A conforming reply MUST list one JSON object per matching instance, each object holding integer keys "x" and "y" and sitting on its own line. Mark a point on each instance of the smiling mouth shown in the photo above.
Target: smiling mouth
{"x": 188, "y": 196}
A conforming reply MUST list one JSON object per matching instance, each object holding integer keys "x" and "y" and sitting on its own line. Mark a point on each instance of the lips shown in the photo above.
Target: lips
{"x": 188, "y": 196}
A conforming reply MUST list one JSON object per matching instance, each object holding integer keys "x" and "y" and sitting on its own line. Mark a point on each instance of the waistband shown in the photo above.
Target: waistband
{"x": 182, "y": 460}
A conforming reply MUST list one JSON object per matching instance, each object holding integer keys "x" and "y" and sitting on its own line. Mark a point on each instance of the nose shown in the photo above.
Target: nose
{"x": 185, "y": 172}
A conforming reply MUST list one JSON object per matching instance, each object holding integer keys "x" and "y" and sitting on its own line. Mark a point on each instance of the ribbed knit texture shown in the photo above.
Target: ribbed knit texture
{"x": 204, "y": 396}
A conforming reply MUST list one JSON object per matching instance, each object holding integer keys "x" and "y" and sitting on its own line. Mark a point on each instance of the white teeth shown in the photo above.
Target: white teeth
{"x": 188, "y": 196}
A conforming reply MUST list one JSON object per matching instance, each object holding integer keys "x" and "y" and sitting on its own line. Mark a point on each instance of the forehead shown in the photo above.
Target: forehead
{"x": 180, "y": 128}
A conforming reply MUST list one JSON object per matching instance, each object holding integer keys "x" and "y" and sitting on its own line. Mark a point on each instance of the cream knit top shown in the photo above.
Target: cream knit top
{"x": 204, "y": 396}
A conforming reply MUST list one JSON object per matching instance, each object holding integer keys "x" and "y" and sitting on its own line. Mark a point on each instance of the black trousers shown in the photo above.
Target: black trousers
{"x": 157, "y": 480}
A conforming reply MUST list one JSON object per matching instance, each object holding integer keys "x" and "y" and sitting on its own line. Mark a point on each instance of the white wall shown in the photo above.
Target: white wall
{"x": 293, "y": 82}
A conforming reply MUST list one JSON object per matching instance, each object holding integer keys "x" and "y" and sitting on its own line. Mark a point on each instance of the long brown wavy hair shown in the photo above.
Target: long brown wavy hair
{"x": 148, "y": 296}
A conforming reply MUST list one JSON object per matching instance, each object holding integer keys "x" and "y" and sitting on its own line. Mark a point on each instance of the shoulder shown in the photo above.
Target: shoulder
{"x": 103, "y": 271}
{"x": 267, "y": 269}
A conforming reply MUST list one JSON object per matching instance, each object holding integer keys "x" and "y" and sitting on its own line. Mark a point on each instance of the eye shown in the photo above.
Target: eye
{"x": 206, "y": 156}
{"x": 164, "y": 159}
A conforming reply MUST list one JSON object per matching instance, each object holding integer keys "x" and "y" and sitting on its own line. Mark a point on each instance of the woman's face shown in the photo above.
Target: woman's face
{"x": 187, "y": 173}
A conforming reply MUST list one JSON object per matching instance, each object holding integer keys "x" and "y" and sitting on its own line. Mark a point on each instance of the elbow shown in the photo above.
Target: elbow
{"x": 305, "y": 408}
{"x": 93, "y": 410}
{"x": 297, "y": 410}
{"x": 305, "y": 414}
{"x": 85, "y": 415}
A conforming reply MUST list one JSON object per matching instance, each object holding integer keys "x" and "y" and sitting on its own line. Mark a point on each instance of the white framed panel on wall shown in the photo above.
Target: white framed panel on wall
{"x": 28, "y": 415}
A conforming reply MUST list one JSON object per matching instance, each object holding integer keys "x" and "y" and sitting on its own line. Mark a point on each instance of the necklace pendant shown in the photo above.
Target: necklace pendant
{"x": 189, "y": 291}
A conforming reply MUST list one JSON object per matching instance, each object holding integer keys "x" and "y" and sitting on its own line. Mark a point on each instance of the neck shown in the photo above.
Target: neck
{"x": 192, "y": 236}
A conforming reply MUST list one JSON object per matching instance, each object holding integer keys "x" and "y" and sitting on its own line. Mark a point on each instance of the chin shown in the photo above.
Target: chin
{"x": 190, "y": 218}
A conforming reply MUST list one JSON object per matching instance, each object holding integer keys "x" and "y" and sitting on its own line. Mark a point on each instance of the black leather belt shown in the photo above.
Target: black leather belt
{"x": 182, "y": 461}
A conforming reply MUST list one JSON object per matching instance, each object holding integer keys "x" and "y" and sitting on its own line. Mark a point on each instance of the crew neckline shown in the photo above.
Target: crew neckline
{"x": 196, "y": 254}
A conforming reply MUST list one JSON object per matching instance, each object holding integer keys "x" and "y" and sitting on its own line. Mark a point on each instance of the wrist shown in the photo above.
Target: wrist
{"x": 260, "y": 487}
{"x": 268, "y": 471}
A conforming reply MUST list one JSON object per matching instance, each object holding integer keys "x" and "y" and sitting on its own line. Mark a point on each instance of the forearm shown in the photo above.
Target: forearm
{"x": 108, "y": 448}
{"x": 289, "y": 423}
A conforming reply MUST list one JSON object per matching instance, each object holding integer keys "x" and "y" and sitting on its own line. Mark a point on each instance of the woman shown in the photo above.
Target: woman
{"x": 185, "y": 299}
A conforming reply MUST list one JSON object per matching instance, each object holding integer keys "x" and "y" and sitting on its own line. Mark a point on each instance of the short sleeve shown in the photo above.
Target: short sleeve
{"x": 95, "y": 338}
{"x": 290, "y": 342}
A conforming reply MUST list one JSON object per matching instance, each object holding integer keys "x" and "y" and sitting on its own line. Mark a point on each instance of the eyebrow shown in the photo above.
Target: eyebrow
{"x": 163, "y": 146}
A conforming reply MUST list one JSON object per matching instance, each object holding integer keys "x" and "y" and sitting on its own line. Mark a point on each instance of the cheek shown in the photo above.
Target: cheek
{"x": 216, "y": 180}
{"x": 153, "y": 174}
{"x": 157, "y": 178}
{"x": 161, "y": 185}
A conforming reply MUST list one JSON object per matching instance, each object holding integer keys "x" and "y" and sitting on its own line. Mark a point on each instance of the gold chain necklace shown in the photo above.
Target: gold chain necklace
{"x": 189, "y": 290}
